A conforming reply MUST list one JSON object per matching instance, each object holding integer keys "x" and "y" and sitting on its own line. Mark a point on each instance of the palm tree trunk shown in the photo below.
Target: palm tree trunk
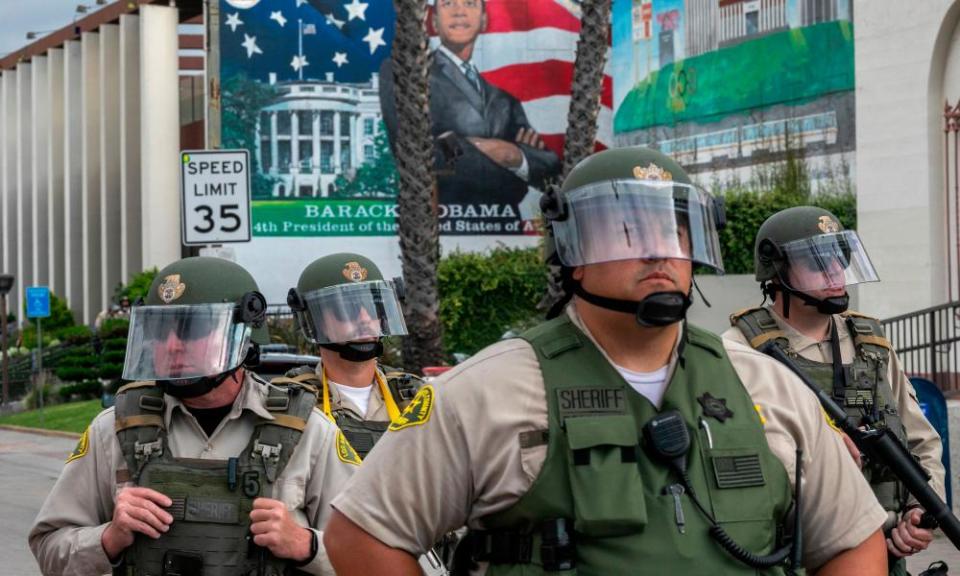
{"x": 417, "y": 208}
{"x": 588, "y": 68}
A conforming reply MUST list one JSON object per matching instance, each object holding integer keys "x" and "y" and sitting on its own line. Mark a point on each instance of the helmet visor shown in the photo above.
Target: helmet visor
{"x": 826, "y": 261}
{"x": 353, "y": 312}
{"x": 181, "y": 342}
{"x": 624, "y": 220}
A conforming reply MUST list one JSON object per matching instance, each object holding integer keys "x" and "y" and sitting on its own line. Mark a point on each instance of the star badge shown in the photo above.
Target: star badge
{"x": 715, "y": 407}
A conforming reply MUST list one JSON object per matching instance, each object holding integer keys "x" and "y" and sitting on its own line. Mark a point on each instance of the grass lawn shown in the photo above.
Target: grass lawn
{"x": 71, "y": 417}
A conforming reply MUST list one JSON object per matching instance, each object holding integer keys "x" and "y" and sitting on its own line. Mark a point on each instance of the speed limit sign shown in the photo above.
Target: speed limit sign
{"x": 215, "y": 186}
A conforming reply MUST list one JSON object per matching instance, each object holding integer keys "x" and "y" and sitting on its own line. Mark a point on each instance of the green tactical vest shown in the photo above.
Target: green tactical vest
{"x": 361, "y": 434}
{"x": 597, "y": 474}
{"x": 212, "y": 499}
{"x": 867, "y": 391}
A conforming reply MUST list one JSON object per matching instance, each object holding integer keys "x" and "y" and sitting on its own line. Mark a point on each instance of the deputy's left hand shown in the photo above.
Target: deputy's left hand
{"x": 275, "y": 529}
{"x": 907, "y": 538}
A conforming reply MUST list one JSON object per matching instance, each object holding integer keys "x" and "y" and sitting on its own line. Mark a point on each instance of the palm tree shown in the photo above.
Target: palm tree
{"x": 416, "y": 202}
{"x": 588, "y": 68}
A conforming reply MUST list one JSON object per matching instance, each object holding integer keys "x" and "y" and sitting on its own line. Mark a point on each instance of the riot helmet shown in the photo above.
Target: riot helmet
{"x": 201, "y": 320}
{"x": 342, "y": 303}
{"x": 804, "y": 250}
{"x": 634, "y": 203}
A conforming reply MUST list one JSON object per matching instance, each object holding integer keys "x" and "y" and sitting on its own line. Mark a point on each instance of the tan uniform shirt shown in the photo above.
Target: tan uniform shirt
{"x": 471, "y": 463}
{"x": 376, "y": 408}
{"x": 66, "y": 536}
{"x": 922, "y": 439}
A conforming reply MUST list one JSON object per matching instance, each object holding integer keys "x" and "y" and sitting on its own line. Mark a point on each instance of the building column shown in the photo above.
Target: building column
{"x": 315, "y": 132}
{"x": 274, "y": 148}
{"x": 159, "y": 138}
{"x": 294, "y": 144}
{"x": 336, "y": 142}
{"x": 356, "y": 142}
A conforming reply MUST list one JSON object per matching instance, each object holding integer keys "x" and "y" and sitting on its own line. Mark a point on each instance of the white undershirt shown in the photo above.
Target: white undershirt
{"x": 359, "y": 397}
{"x": 652, "y": 385}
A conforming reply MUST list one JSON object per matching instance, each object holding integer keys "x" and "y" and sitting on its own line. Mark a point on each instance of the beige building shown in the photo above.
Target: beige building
{"x": 89, "y": 144}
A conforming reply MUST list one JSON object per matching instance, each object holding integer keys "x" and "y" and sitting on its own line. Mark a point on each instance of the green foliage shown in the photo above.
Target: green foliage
{"x": 114, "y": 328}
{"x": 72, "y": 417}
{"x": 115, "y": 344}
{"x": 138, "y": 286}
{"x": 74, "y": 373}
{"x": 110, "y": 371}
{"x": 484, "y": 295}
{"x": 243, "y": 100}
{"x": 114, "y": 356}
{"x": 747, "y": 209}
{"x": 75, "y": 335}
{"x": 376, "y": 178}
{"x": 85, "y": 389}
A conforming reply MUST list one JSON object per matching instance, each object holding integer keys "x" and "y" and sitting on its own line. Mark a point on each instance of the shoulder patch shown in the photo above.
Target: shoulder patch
{"x": 345, "y": 451}
{"x": 418, "y": 412}
{"x": 83, "y": 445}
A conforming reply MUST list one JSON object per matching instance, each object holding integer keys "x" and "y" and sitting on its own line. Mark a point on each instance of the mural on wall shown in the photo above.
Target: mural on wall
{"x": 307, "y": 87}
{"x": 725, "y": 85}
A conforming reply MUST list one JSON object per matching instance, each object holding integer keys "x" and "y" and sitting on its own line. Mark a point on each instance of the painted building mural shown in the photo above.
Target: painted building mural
{"x": 308, "y": 88}
{"x": 727, "y": 85}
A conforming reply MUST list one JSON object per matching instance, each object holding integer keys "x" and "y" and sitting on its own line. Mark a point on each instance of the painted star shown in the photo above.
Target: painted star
{"x": 278, "y": 16}
{"x": 375, "y": 39}
{"x": 356, "y": 9}
{"x": 299, "y": 62}
{"x": 340, "y": 58}
{"x": 301, "y": 3}
{"x": 233, "y": 20}
{"x": 250, "y": 43}
{"x": 331, "y": 20}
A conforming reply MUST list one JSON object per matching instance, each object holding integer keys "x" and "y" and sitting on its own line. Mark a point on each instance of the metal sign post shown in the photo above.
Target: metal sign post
{"x": 38, "y": 306}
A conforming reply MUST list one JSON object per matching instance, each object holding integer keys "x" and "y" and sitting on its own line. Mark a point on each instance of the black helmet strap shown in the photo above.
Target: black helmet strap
{"x": 831, "y": 305}
{"x": 657, "y": 309}
{"x": 193, "y": 387}
{"x": 356, "y": 351}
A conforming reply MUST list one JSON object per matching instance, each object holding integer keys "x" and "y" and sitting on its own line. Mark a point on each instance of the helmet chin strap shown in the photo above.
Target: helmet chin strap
{"x": 193, "y": 387}
{"x": 656, "y": 310}
{"x": 356, "y": 351}
{"x": 831, "y": 305}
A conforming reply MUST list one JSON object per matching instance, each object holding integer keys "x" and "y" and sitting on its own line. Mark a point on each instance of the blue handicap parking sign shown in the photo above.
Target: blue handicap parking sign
{"x": 38, "y": 302}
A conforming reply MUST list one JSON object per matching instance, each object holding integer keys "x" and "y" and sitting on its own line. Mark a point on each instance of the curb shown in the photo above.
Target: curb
{"x": 40, "y": 431}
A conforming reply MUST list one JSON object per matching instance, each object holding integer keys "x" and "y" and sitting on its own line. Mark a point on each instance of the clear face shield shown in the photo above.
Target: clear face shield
{"x": 625, "y": 220}
{"x": 362, "y": 311}
{"x": 826, "y": 262}
{"x": 184, "y": 342}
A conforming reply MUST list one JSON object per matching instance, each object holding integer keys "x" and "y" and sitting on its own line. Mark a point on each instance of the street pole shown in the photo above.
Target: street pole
{"x": 3, "y": 347}
{"x": 40, "y": 371}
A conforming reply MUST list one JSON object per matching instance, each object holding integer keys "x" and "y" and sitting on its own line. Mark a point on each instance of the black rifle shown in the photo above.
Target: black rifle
{"x": 881, "y": 445}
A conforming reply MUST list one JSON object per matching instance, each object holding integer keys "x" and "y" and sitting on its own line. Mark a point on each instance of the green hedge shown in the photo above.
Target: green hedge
{"x": 484, "y": 295}
{"x": 746, "y": 211}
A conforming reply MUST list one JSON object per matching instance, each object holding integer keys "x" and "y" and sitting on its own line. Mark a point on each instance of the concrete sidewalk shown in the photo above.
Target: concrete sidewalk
{"x": 941, "y": 549}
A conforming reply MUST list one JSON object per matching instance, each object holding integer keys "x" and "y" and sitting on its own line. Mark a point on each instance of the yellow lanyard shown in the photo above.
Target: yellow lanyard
{"x": 393, "y": 412}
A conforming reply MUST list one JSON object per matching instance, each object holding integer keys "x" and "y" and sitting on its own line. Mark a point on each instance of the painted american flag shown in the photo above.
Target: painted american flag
{"x": 528, "y": 50}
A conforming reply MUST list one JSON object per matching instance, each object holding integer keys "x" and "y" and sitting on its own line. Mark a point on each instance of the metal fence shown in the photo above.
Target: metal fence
{"x": 926, "y": 342}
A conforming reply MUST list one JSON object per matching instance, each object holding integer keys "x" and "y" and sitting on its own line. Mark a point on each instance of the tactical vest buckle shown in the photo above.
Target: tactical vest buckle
{"x": 151, "y": 403}
{"x": 144, "y": 450}
{"x": 267, "y": 451}
{"x": 278, "y": 403}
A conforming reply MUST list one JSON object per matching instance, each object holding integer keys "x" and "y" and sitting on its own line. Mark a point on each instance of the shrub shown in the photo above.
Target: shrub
{"x": 484, "y": 295}
{"x": 75, "y": 335}
{"x": 114, "y": 328}
{"x": 85, "y": 389}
